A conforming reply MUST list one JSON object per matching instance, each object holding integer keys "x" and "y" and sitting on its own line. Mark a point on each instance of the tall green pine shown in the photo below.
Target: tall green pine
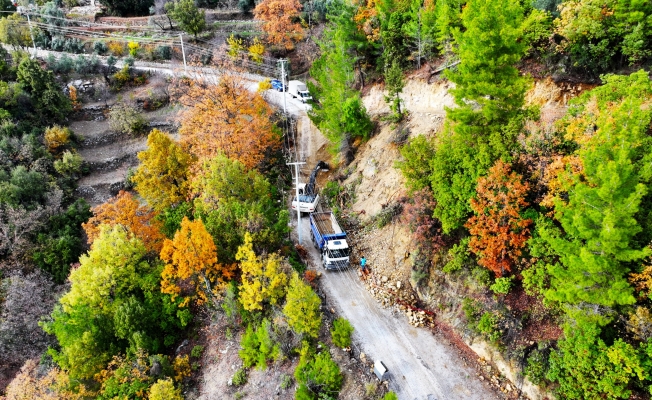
{"x": 489, "y": 95}
{"x": 600, "y": 217}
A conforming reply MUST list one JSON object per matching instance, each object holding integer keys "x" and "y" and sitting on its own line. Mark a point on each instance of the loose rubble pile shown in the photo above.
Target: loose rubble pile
{"x": 495, "y": 377}
{"x": 388, "y": 283}
{"x": 400, "y": 296}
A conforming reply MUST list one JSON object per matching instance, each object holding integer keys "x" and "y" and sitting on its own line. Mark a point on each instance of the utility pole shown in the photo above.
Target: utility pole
{"x": 283, "y": 61}
{"x": 22, "y": 10}
{"x": 296, "y": 187}
{"x": 185, "y": 67}
{"x": 419, "y": 35}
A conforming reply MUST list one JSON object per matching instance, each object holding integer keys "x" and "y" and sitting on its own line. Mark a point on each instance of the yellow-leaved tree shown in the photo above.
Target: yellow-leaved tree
{"x": 263, "y": 280}
{"x": 56, "y": 138}
{"x": 164, "y": 389}
{"x": 125, "y": 210}
{"x": 302, "y": 308}
{"x": 191, "y": 267}
{"x": 161, "y": 178}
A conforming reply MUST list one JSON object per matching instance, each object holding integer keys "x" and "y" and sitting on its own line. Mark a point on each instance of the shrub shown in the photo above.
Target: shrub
{"x": 181, "y": 366}
{"x": 472, "y": 310}
{"x": 390, "y": 396}
{"x": 164, "y": 389}
{"x": 488, "y": 326}
{"x": 459, "y": 255}
{"x": 370, "y": 388}
{"x": 331, "y": 192}
{"x": 111, "y": 61}
{"x": 318, "y": 377}
{"x": 73, "y": 45}
{"x": 231, "y": 305}
{"x": 64, "y": 65}
{"x": 133, "y": 48}
{"x": 537, "y": 366}
{"x": 81, "y": 64}
{"x": 99, "y": 47}
{"x": 197, "y": 351}
{"x": 58, "y": 43}
{"x": 481, "y": 276}
{"x": 93, "y": 63}
{"x": 310, "y": 276}
{"x": 57, "y": 137}
{"x": 341, "y": 332}
{"x": 264, "y": 85}
{"x": 129, "y": 61}
{"x": 387, "y": 214}
{"x": 70, "y": 164}
{"x": 286, "y": 381}
{"x": 125, "y": 118}
{"x": 163, "y": 52}
{"x": 116, "y": 48}
{"x": 426, "y": 230}
{"x": 162, "y": 362}
{"x": 258, "y": 346}
{"x": 121, "y": 78}
{"x": 501, "y": 285}
{"x": 240, "y": 377}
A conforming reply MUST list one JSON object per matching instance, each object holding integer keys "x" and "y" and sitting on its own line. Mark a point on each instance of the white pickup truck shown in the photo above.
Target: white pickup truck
{"x": 299, "y": 90}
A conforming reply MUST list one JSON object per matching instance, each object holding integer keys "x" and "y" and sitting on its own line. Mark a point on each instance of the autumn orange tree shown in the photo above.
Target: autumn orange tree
{"x": 498, "y": 230}
{"x": 161, "y": 178}
{"x": 191, "y": 268}
{"x": 226, "y": 119}
{"x": 279, "y": 24}
{"x": 125, "y": 210}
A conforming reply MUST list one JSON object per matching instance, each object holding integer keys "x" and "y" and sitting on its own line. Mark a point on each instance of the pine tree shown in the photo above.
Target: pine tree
{"x": 338, "y": 113}
{"x": 189, "y": 17}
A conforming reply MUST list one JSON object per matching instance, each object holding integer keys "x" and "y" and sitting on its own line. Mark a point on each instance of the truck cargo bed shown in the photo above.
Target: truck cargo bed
{"x": 325, "y": 223}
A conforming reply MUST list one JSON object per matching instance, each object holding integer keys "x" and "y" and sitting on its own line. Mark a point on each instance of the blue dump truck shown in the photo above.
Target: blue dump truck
{"x": 330, "y": 239}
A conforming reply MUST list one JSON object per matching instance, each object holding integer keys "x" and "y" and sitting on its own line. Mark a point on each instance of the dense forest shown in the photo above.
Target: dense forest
{"x": 95, "y": 301}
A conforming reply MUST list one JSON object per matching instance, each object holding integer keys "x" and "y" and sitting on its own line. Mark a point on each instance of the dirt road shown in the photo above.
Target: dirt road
{"x": 420, "y": 366}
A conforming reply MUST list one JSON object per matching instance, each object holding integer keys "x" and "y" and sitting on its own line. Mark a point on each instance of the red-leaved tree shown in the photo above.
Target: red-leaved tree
{"x": 498, "y": 231}
{"x": 426, "y": 230}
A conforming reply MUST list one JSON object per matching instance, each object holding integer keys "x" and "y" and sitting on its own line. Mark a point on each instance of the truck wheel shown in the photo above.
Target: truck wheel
{"x": 314, "y": 242}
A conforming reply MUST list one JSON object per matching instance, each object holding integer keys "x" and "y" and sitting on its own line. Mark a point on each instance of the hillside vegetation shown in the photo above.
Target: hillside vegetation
{"x": 103, "y": 302}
